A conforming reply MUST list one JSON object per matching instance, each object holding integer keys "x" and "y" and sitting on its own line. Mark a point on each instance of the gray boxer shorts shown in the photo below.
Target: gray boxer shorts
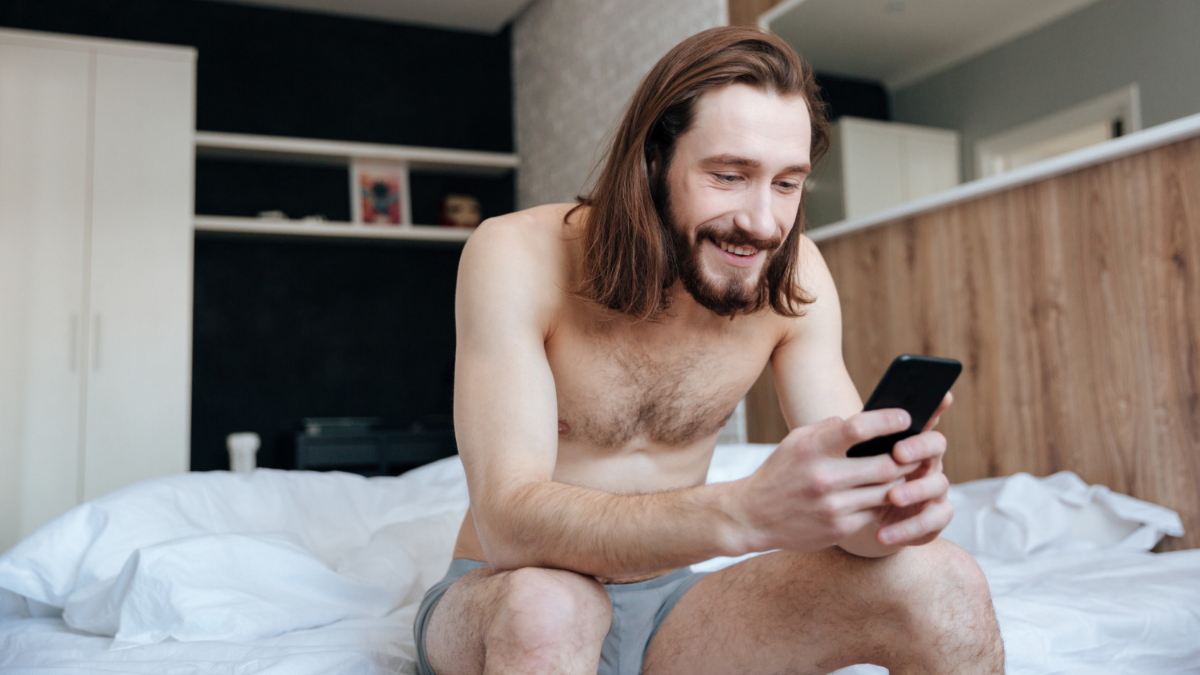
{"x": 638, "y": 609}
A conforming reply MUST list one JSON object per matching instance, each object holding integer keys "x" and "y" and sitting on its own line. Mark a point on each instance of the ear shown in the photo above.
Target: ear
{"x": 654, "y": 177}
{"x": 653, "y": 161}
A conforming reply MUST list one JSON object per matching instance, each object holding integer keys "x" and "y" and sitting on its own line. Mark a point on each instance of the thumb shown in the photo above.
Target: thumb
{"x": 795, "y": 437}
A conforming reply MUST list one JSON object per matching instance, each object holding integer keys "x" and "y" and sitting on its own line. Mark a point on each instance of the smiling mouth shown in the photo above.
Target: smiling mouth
{"x": 742, "y": 251}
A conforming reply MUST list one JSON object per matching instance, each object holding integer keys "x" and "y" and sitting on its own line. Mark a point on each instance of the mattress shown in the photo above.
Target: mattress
{"x": 321, "y": 573}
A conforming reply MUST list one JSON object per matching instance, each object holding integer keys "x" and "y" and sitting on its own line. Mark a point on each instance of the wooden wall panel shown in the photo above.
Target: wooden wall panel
{"x": 764, "y": 418}
{"x": 1074, "y": 305}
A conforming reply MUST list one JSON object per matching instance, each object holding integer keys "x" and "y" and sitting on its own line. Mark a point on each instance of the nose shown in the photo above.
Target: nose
{"x": 755, "y": 218}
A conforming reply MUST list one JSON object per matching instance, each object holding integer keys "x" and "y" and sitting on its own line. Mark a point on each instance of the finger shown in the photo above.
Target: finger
{"x": 947, "y": 401}
{"x": 812, "y": 429}
{"x": 837, "y": 439}
{"x": 844, "y": 473}
{"x": 924, "y": 489}
{"x": 932, "y": 519}
{"x": 921, "y": 469}
{"x": 925, "y": 540}
{"x": 859, "y": 499}
{"x": 827, "y": 425}
{"x": 923, "y": 446}
{"x": 857, "y": 521}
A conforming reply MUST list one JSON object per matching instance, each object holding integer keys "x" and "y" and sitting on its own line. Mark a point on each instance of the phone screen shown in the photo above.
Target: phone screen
{"x": 915, "y": 383}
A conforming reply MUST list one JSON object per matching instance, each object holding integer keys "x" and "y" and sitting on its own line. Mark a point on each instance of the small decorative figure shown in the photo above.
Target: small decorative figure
{"x": 460, "y": 210}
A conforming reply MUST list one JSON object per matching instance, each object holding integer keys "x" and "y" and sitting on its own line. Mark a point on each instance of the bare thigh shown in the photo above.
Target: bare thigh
{"x": 815, "y": 613}
{"x": 527, "y": 618}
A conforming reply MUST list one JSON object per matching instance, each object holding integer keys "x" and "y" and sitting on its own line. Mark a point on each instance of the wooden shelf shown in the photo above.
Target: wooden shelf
{"x": 301, "y": 228}
{"x": 342, "y": 153}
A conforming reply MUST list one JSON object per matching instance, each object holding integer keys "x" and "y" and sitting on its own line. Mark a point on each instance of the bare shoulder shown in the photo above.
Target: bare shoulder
{"x": 519, "y": 261}
{"x": 812, "y": 273}
{"x": 824, "y": 313}
{"x": 530, "y": 224}
{"x": 540, "y": 232}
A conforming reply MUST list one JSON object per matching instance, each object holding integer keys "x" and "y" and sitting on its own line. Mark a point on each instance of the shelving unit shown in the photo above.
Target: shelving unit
{"x": 341, "y": 153}
{"x": 280, "y": 149}
{"x": 303, "y": 228}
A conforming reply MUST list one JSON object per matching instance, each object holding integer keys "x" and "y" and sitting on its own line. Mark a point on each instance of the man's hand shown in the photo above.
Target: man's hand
{"x": 918, "y": 509}
{"x": 808, "y": 495}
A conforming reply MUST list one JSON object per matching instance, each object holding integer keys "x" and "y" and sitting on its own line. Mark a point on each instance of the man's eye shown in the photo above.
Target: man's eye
{"x": 727, "y": 177}
{"x": 789, "y": 186}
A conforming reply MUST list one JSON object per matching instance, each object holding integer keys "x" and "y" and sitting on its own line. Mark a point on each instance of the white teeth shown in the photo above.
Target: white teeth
{"x": 738, "y": 250}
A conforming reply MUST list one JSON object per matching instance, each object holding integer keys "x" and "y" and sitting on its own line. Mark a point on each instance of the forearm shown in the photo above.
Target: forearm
{"x": 551, "y": 524}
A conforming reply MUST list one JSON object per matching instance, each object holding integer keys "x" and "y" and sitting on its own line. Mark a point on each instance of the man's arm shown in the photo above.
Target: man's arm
{"x": 506, "y": 421}
{"x": 813, "y": 384}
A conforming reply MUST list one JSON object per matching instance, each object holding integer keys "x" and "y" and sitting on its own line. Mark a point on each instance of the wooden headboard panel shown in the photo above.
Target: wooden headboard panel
{"x": 1074, "y": 305}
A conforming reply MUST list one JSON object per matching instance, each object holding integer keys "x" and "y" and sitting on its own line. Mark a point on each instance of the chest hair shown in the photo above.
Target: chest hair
{"x": 667, "y": 399}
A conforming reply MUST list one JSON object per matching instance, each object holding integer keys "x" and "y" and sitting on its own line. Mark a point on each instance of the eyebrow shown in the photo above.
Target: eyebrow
{"x": 734, "y": 160}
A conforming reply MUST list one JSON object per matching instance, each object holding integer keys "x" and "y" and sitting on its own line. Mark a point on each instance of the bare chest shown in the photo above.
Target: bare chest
{"x": 638, "y": 389}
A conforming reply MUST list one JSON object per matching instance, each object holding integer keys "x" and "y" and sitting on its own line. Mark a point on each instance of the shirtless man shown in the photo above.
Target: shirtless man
{"x": 600, "y": 350}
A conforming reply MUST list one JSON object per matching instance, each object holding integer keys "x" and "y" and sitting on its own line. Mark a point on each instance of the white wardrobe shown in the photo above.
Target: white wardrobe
{"x": 96, "y": 180}
{"x": 875, "y": 165}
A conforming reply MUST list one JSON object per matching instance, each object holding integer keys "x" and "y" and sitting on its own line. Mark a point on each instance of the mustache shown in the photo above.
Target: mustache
{"x": 736, "y": 237}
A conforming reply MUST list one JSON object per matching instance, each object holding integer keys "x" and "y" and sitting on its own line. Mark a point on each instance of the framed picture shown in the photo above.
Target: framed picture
{"x": 379, "y": 193}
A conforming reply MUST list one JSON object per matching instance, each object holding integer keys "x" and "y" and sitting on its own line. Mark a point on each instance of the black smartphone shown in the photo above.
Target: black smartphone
{"x": 915, "y": 383}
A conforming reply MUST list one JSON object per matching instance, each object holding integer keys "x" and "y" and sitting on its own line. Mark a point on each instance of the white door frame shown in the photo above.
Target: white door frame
{"x": 1124, "y": 104}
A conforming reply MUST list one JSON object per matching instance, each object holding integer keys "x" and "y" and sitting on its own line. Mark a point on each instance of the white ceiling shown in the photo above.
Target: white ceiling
{"x": 482, "y": 16}
{"x": 901, "y": 42}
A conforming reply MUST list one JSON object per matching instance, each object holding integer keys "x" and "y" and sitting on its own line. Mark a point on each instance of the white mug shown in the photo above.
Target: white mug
{"x": 242, "y": 448}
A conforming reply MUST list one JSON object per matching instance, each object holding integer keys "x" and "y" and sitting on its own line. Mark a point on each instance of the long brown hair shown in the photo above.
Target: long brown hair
{"x": 629, "y": 255}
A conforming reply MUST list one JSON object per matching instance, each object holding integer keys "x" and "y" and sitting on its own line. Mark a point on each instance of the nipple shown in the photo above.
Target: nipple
{"x": 563, "y": 428}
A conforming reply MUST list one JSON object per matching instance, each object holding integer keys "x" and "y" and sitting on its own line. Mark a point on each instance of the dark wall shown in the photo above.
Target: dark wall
{"x": 267, "y": 71}
{"x": 854, "y": 98}
{"x": 284, "y": 328}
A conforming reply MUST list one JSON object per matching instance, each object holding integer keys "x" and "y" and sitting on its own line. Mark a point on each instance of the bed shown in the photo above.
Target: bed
{"x": 320, "y": 573}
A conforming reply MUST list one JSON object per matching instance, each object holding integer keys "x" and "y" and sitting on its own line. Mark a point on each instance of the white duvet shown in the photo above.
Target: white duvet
{"x": 301, "y": 572}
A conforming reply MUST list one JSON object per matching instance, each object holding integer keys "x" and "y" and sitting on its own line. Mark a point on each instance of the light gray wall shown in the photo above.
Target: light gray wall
{"x": 575, "y": 65}
{"x": 1104, "y": 47}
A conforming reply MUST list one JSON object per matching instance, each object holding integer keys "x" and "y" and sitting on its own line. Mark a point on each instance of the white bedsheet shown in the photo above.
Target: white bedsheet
{"x": 298, "y": 572}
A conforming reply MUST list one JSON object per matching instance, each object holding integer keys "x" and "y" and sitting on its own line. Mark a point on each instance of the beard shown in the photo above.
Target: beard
{"x": 741, "y": 291}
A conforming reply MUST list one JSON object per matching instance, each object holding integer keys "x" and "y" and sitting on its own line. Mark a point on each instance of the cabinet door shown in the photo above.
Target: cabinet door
{"x": 826, "y": 201}
{"x": 873, "y": 167}
{"x": 930, "y": 161}
{"x": 44, "y": 99}
{"x": 139, "y": 377}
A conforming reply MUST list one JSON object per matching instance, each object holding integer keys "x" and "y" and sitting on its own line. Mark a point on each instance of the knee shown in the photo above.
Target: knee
{"x": 550, "y": 610}
{"x": 948, "y": 597}
{"x": 949, "y": 572}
